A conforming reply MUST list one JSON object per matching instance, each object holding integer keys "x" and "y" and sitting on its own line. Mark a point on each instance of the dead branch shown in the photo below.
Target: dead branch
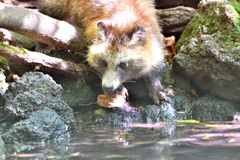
{"x": 56, "y": 65}
{"x": 41, "y": 28}
{"x": 26, "y": 4}
{"x": 15, "y": 39}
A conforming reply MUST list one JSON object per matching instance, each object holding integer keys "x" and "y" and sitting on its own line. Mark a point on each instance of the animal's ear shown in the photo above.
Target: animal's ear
{"x": 138, "y": 36}
{"x": 102, "y": 30}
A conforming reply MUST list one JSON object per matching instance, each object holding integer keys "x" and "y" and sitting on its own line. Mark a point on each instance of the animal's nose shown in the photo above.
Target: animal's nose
{"x": 108, "y": 87}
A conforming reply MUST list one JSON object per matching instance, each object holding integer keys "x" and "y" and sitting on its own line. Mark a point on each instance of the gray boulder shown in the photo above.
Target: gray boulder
{"x": 34, "y": 91}
{"x": 208, "y": 108}
{"x": 209, "y": 49}
{"x": 42, "y": 126}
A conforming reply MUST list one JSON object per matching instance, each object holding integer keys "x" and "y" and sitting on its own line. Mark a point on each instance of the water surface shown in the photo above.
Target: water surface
{"x": 158, "y": 141}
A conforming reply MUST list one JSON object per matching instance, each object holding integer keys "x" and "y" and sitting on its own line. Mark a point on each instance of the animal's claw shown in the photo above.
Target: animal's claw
{"x": 166, "y": 92}
{"x": 163, "y": 95}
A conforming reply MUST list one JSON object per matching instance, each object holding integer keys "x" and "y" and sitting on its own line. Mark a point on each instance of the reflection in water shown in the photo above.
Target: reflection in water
{"x": 160, "y": 141}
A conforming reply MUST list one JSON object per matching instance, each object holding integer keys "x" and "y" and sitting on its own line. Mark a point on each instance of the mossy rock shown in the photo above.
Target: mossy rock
{"x": 209, "y": 49}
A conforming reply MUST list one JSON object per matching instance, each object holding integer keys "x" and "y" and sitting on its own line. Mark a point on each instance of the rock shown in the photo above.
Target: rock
{"x": 236, "y": 118}
{"x": 118, "y": 118}
{"x": 175, "y": 3}
{"x": 76, "y": 91}
{"x": 165, "y": 75}
{"x": 2, "y": 149}
{"x": 208, "y": 108}
{"x": 3, "y": 84}
{"x": 34, "y": 91}
{"x": 34, "y": 81}
{"x": 208, "y": 52}
{"x": 26, "y": 103}
{"x": 122, "y": 117}
{"x": 151, "y": 114}
{"x": 42, "y": 126}
{"x": 168, "y": 112}
{"x": 174, "y": 20}
{"x": 154, "y": 113}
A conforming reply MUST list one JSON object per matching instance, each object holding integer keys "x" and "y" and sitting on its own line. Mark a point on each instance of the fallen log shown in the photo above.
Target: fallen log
{"x": 15, "y": 39}
{"x": 41, "y": 28}
{"x": 45, "y": 62}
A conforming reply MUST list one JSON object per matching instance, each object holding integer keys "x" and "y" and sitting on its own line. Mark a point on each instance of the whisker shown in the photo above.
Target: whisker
{"x": 130, "y": 81}
{"x": 98, "y": 84}
{"x": 92, "y": 70}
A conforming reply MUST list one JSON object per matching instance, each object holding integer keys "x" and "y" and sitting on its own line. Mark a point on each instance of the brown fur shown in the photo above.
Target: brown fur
{"x": 118, "y": 38}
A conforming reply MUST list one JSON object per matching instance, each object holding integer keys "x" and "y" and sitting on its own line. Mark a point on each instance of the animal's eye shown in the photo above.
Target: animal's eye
{"x": 123, "y": 65}
{"x": 104, "y": 63}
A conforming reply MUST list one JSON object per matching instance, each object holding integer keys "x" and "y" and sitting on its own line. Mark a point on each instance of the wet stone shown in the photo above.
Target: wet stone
{"x": 34, "y": 81}
{"x": 208, "y": 108}
{"x": 154, "y": 113}
{"x": 42, "y": 126}
{"x": 121, "y": 117}
{"x": 34, "y": 91}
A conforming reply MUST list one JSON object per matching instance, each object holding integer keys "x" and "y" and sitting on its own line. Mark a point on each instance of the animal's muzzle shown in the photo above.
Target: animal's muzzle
{"x": 108, "y": 88}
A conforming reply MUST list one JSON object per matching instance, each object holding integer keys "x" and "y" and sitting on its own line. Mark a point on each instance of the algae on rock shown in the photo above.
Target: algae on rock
{"x": 209, "y": 49}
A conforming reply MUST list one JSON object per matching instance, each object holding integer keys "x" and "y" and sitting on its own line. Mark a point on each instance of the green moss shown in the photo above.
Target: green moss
{"x": 12, "y": 49}
{"x": 236, "y": 5}
{"x": 221, "y": 20}
{"x": 3, "y": 63}
{"x": 235, "y": 18}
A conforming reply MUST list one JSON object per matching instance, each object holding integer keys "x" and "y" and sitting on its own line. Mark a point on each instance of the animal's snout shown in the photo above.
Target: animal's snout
{"x": 108, "y": 88}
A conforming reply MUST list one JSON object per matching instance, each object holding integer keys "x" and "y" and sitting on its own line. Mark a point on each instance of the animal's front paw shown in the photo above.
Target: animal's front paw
{"x": 122, "y": 91}
{"x": 166, "y": 92}
{"x": 162, "y": 95}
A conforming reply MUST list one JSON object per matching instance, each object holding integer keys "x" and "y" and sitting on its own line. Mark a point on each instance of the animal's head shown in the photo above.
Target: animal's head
{"x": 119, "y": 55}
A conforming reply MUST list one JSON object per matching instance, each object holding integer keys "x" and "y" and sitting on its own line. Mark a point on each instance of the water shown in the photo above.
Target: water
{"x": 159, "y": 141}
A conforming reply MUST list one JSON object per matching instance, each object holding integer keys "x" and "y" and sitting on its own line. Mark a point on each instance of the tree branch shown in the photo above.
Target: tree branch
{"x": 41, "y": 28}
{"x": 45, "y": 62}
{"x": 15, "y": 39}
